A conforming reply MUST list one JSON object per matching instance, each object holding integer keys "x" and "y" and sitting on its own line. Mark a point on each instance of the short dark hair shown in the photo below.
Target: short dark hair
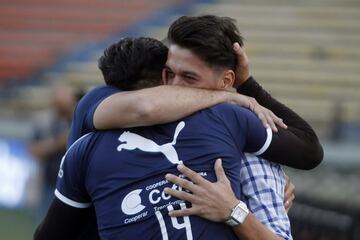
{"x": 133, "y": 63}
{"x": 210, "y": 37}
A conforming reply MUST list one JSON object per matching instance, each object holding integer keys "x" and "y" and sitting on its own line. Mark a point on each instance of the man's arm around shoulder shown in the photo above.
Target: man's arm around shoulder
{"x": 158, "y": 105}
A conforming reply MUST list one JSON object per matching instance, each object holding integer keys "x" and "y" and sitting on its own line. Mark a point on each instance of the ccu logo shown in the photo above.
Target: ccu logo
{"x": 131, "y": 204}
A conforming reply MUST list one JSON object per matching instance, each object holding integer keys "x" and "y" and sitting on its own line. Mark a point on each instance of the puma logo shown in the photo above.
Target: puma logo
{"x": 133, "y": 141}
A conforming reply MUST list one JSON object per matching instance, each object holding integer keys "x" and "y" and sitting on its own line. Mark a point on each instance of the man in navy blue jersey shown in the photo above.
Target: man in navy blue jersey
{"x": 122, "y": 172}
{"x": 48, "y": 223}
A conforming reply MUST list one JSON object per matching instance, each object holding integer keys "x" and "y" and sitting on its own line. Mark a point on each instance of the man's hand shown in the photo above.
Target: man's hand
{"x": 267, "y": 117}
{"x": 212, "y": 201}
{"x": 242, "y": 72}
{"x": 289, "y": 194}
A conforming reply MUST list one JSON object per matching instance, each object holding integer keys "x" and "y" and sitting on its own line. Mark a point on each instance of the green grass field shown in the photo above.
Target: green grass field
{"x": 16, "y": 225}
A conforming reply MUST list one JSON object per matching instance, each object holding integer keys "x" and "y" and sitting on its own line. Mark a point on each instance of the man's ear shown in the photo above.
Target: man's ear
{"x": 227, "y": 79}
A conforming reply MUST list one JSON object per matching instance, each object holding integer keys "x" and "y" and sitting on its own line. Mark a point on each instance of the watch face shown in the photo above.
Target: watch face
{"x": 239, "y": 214}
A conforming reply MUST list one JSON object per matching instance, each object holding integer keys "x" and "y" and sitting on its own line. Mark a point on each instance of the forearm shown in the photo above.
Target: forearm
{"x": 61, "y": 222}
{"x": 253, "y": 89}
{"x": 303, "y": 147}
{"x": 156, "y": 105}
{"x": 252, "y": 229}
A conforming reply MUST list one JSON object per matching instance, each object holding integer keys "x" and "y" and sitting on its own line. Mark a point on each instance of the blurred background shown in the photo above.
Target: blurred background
{"x": 305, "y": 52}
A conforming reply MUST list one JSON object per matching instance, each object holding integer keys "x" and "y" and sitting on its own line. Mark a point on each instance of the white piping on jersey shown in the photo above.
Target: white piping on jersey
{"x": 61, "y": 172}
{"x": 266, "y": 144}
{"x": 70, "y": 202}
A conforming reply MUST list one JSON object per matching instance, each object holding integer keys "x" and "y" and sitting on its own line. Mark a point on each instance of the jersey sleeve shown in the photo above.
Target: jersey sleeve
{"x": 258, "y": 138}
{"x": 247, "y": 129}
{"x": 82, "y": 121}
{"x": 70, "y": 185}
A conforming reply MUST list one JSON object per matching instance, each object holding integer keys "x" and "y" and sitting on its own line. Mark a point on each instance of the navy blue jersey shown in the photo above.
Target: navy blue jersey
{"x": 82, "y": 121}
{"x": 123, "y": 172}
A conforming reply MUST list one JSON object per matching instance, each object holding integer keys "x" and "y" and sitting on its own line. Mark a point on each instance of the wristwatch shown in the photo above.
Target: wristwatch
{"x": 238, "y": 214}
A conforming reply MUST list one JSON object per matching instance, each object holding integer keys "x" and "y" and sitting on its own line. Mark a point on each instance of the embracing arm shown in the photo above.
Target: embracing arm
{"x": 62, "y": 222}
{"x": 161, "y": 104}
{"x": 303, "y": 149}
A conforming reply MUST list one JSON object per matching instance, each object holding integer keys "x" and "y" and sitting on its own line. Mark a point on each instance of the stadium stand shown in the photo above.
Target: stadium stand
{"x": 305, "y": 53}
{"x": 34, "y": 33}
{"x": 37, "y": 39}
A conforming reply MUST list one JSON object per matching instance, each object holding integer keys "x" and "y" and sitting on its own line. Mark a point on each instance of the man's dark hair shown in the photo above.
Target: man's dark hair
{"x": 210, "y": 37}
{"x": 133, "y": 63}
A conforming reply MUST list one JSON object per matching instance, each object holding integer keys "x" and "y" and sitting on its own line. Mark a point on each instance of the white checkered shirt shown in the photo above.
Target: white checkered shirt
{"x": 262, "y": 189}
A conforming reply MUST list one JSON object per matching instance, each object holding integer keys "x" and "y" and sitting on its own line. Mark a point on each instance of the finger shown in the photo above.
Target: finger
{"x": 260, "y": 114}
{"x": 238, "y": 50}
{"x": 289, "y": 203}
{"x": 256, "y": 107}
{"x": 180, "y": 195}
{"x": 287, "y": 181}
{"x": 181, "y": 182}
{"x": 242, "y": 72}
{"x": 192, "y": 175}
{"x": 289, "y": 207}
{"x": 289, "y": 191}
{"x": 251, "y": 105}
{"x": 271, "y": 121}
{"x": 289, "y": 200}
{"x": 240, "y": 53}
{"x": 219, "y": 171}
{"x": 278, "y": 121}
{"x": 183, "y": 212}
